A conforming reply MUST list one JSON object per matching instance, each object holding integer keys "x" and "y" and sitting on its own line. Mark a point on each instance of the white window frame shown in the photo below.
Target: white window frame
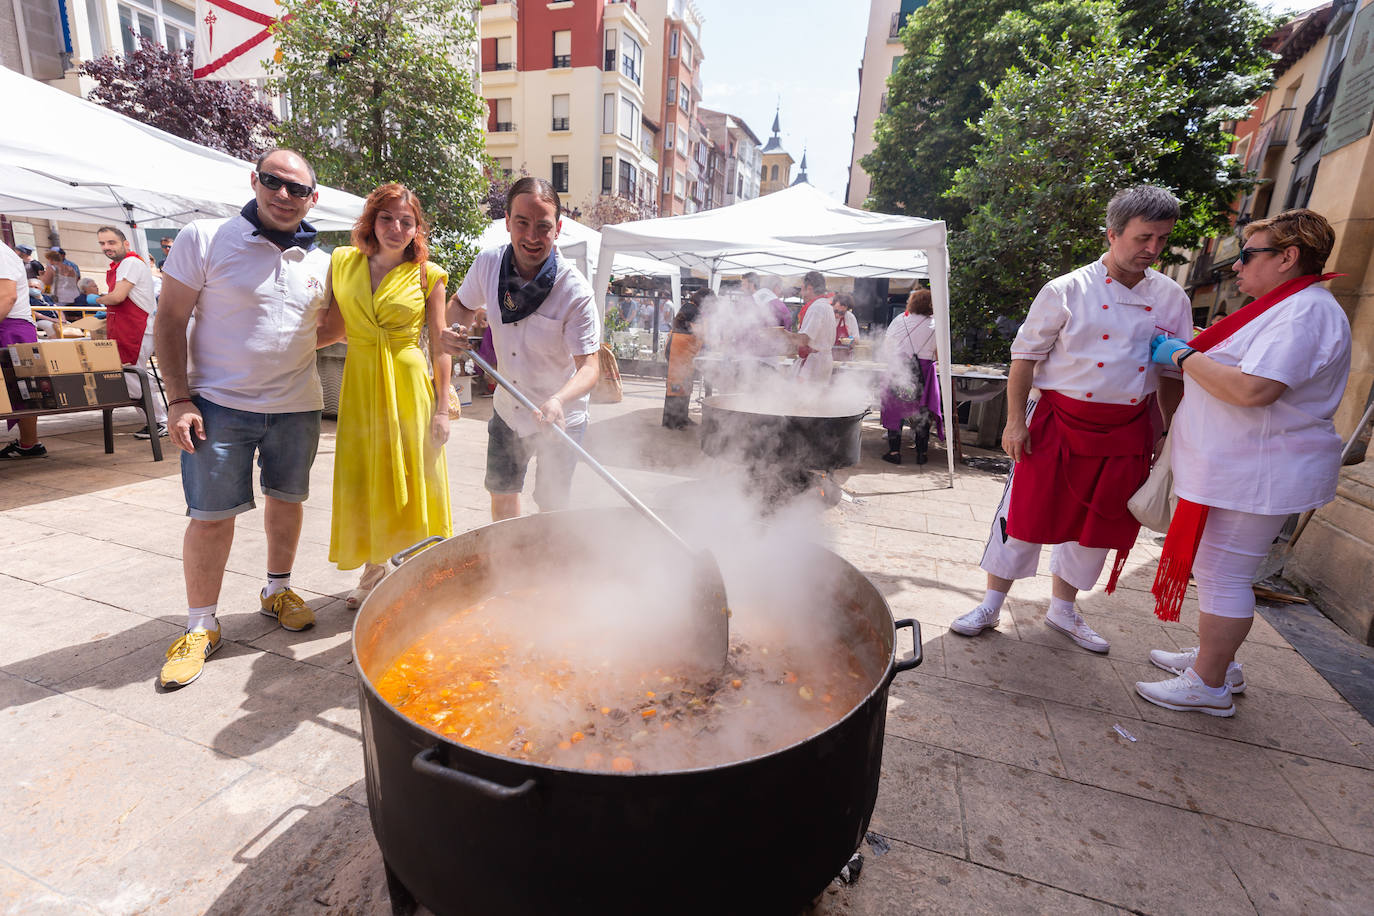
{"x": 672, "y": 89}
{"x": 567, "y": 174}
{"x": 629, "y": 118}
{"x": 672, "y": 43}
{"x": 162, "y": 24}
{"x": 608, "y": 113}
{"x": 566, "y": 117}
{"x": 562, "y": 37}
{"x": 669, "y": 130}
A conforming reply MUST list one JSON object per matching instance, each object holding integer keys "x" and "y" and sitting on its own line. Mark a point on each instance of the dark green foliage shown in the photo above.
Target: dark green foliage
{"x": 382, "y": 91}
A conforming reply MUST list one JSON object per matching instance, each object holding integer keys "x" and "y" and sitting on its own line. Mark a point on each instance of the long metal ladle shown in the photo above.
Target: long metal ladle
{"x": 711, "y": 640}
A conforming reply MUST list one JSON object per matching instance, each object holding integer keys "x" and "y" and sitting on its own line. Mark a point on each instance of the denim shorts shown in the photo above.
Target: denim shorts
{"x": 508, "y": 456}
{"x": 218, "y": 476}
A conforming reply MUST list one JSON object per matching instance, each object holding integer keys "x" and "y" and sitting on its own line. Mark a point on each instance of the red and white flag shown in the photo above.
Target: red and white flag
{"x": 234, "y": 39}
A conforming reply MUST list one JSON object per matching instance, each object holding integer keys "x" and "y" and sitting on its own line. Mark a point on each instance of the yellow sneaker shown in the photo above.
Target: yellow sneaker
{"x": 289, "y": 610}
{"x": 186, "y": 658}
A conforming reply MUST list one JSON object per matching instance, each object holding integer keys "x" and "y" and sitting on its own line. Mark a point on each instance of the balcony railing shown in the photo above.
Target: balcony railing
{"x": 1272, "y": 134}
{"x": 504, "y": 65}
{"x": 562, "y": 61}
{"x": 560, "y": 123}
{"x": 1315, "y": 115}
{"x": 504, "y": 127}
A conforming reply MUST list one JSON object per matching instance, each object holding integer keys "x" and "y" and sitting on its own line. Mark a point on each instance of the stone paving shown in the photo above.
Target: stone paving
{"x": 1005, "y": 789}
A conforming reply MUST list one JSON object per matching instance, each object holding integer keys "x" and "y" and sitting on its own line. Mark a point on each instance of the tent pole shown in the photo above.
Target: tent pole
{"x": 937, "y": 265}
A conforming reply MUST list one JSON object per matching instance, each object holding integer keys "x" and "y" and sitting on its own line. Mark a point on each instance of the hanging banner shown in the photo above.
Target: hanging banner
{"x": 233, "y": 39}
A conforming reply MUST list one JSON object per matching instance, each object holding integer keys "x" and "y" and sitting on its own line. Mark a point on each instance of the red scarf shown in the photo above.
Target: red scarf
{"x": 1190, "y": 518}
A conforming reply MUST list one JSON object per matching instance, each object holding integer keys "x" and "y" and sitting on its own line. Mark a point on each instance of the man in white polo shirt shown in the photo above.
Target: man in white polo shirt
{"x": 255, "y": 285}
{"x": 546, "y": 330}
{"x": 130, "y": 306}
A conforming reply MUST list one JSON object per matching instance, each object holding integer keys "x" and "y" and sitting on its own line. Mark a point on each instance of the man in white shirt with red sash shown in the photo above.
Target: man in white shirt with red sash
{"x": 1084, "y": 446}
{"x": 129, "y": 307}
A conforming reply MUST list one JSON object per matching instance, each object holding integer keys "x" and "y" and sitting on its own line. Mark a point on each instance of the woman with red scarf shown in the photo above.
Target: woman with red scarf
{"x": 1252, "y": 442}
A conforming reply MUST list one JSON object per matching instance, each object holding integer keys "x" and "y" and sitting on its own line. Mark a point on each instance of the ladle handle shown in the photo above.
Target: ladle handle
{"x": 581, "y": 453}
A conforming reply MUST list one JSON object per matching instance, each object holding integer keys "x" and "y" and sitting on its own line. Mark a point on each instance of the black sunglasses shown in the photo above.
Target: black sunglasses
{"x": 1245, "y": 253}
{"x": 273, "y": 183}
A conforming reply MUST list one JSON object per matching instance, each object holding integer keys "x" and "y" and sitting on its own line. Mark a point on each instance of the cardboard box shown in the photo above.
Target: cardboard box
{"x": 91, "y": 325}
{"x": 64, "y": 357}
{"x": 80, "y": 389}
{"x": 5, "y": 401}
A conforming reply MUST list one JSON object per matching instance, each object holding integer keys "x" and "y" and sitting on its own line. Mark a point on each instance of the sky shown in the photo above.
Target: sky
{"x": 804, "y": 55}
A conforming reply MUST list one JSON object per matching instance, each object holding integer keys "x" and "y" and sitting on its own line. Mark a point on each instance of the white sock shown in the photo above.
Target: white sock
{"x": 1202, "y": 685}
{"x": 1061, "y": 607}
{"x": 276, "y": 582}
{"x": 202, "y": 618}
{"x": 994, "y": 599}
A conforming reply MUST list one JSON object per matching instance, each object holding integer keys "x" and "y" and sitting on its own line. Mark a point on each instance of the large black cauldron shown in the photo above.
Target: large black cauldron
{"x": 466, "y": 832}
{"x": 770, "y": 437}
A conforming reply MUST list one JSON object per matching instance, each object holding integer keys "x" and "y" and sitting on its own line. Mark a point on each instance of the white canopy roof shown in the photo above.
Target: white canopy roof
{"x": 794, "y": 230}
{"x": 582, "y": 244}
{"x": 84, "y": 163}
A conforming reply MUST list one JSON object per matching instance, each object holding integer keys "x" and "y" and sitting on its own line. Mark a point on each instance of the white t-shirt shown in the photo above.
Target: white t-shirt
{"x": 819, "y": 326}
{"x": 137, "y": 272}
{"x": 536, "y": 353}
{"x": 908, "y": 336}
{"x": 1283, "y": 457}
{"x": 12, "y": 268}
{"x": 252, "y": 344}
{"x": 1090, "y": 335}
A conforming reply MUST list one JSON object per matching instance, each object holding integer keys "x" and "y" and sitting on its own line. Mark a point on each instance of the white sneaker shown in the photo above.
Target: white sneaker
{"x": 1078, "y": 630}
{"x": 1178, "y": 662}
{"x": 1187, "y": 693}
{"x": 976, "y": 621}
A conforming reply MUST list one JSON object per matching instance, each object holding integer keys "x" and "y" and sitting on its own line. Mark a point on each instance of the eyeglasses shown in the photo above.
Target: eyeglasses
{"x": 273, "y": 183}
{"x": 1247, "y": 253}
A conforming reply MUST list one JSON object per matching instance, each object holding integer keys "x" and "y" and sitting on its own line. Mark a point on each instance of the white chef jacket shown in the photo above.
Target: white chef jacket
{"x": 1283, "y": 457}
{"x": 536, "y": 353}
{"x": 1090, "y": 335}
{"x": 819, "y": 326}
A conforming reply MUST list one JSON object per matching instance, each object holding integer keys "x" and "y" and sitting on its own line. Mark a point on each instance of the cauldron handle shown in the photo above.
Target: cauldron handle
{"x": 906, "y": 664}
{"x": 427, "y": 762}
{"x": 413, "y": 549}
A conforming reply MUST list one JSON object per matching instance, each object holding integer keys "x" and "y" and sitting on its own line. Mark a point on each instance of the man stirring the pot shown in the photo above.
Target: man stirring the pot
{"x": 546, "y": 341}
{"x": 1084, "y": 447}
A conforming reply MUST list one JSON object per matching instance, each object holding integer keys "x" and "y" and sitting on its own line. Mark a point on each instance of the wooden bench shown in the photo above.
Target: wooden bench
{"x": 145, "y": 404}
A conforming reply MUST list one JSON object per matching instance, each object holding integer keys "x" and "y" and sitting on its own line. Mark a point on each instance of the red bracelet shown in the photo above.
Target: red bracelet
{"x": 176, "y": 401}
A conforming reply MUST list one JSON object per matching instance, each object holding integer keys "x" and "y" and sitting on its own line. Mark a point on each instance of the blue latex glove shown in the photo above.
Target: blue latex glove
{"x": 100, "y": 314}
{"x": 88, "y": 299}
{"x": 1163, "y": 348}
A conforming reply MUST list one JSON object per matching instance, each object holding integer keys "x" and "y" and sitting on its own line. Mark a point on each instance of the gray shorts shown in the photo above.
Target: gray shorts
{"x": 508, "y": 456}
{"x": 218, "y": 476}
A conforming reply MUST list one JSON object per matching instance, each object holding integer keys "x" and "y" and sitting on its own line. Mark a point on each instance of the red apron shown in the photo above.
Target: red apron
{"x": 125, "y": 322}
{"x": 1085, "y": 462}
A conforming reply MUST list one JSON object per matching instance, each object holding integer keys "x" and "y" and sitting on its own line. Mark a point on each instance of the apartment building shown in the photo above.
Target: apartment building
{"x": 740, "y": 151}
{"x": 565, "y": 90}
{"x": 882, "y": 52}
{"x": 672, "y": 91}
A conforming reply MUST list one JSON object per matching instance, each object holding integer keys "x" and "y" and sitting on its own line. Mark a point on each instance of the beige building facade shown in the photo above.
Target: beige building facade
{"x": 882, "y": 51}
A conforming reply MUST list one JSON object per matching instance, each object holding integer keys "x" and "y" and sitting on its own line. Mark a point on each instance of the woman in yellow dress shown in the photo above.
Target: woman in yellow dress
{"x": 390, "y": 475}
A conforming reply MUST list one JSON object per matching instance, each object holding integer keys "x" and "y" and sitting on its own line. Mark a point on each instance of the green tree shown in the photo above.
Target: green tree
{"x": 954, "y": 50}
{"x": 958, "y": 50}
{"x": 381, "y": 91}
{"x": 1044, "y": 166}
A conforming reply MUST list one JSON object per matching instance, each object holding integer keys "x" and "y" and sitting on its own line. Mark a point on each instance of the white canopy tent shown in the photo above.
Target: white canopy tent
{"x": 86, "y": 164}
{"x": 794, "y": 230}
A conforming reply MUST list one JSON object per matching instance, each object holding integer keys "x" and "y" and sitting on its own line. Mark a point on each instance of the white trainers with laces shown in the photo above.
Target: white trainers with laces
{"x": 1187, "y": 693}
{"x": 976, "y": 621}
{"x": 1183, "y": 659}
{"x": 1078, "y": 630}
